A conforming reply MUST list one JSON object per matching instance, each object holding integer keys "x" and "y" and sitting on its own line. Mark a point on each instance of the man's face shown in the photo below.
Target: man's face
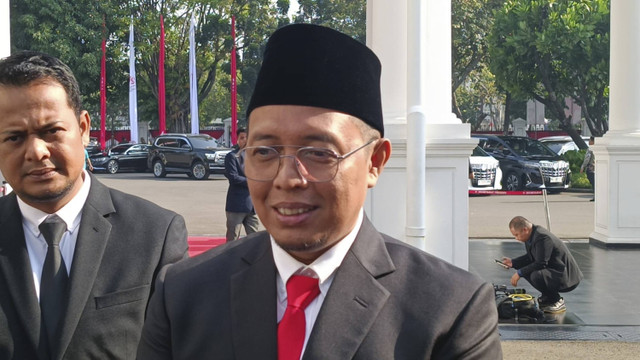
{"x": 307, "y": 218}
{"x": 242, "y": 140}
{"x": 521, "y": 235}
{"x": 41, "y": 144}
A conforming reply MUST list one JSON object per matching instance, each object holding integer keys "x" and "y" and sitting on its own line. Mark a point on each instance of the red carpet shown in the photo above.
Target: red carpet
{"x": 200, "y": 244}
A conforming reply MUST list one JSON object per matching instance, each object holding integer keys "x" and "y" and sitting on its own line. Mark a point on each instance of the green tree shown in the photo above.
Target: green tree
{"x": 347, "y": 16}
{"x": 549, "y": 50}
{"x": 73, "y": 31}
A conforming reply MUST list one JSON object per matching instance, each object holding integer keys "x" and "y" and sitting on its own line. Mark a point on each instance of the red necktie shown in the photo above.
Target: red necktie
{"x": 301, "y": 290}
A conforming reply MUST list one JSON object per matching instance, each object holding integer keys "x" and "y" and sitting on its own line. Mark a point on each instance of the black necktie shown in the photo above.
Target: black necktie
{"x": 53, "y": 285}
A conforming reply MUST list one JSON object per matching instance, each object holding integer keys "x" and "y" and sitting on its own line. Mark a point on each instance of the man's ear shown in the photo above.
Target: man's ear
{"x": 84, "y": 123}
{"x": 379, "y": 157}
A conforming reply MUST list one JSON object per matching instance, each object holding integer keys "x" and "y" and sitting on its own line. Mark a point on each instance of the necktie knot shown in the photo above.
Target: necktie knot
{"x": 301, "y": 290}
{"x": 52, "y": 228}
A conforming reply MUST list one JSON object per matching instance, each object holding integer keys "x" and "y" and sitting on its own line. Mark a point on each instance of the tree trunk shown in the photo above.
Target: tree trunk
{"x": 507, "y": 114}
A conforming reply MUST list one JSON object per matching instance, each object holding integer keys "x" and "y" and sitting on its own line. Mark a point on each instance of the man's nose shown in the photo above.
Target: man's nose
{"x": 289, "y": 174}
{"x": 36, "y": 149}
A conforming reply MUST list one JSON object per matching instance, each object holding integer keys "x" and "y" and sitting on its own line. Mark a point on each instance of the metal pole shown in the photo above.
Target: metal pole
{"x": 546, "y": 202}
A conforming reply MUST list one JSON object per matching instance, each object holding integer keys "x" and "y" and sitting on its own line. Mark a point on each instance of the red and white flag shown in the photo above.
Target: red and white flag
{"x": 133, "y": 92}
{"x": 193, "y": 79}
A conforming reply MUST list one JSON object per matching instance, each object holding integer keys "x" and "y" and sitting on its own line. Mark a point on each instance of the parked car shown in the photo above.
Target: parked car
{"x": 526, "y": 163}
{"x": 122, "y": 157}
{"x": 561, "y": 144}
{"x": 484, "y": 171}
{"x": 93, "y": 147}
{"x": 196, "y": 155}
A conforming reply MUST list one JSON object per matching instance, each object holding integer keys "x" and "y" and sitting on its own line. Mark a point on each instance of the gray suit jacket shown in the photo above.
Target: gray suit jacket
{"x": 387, "y": 301}
{"x": 123, "y": 242}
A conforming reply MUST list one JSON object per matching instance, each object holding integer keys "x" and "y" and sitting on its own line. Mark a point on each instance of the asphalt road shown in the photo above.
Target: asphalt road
{"x": 202, "y": 202}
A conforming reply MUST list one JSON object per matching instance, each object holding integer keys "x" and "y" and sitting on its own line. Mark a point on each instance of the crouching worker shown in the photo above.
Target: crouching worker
{"x": 548, "y": 265}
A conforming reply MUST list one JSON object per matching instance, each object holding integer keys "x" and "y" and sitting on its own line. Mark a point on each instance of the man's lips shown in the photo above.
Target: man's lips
{"x": 293, "y": 209}
{"x": 289, "y": 212}
{"x": 41, "y": 172}
{"x": 293, "y": 214}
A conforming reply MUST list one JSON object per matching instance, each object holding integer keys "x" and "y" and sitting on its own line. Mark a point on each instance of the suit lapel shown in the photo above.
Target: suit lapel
{"x": 92, "y": 240}
{"x": 253, "y": 305}
{"x": 15, "y": 267}
{"x": 354, "y": 300}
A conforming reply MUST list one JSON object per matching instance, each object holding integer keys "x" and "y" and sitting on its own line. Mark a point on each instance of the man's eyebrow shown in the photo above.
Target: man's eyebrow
{"x": 261, "y": 137}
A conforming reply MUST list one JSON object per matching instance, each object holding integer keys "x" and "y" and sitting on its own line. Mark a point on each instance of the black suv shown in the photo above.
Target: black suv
{"x": 526, "y": 163}
{"x": 196, "y": 155}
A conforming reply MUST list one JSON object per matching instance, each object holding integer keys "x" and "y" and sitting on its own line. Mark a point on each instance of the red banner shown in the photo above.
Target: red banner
{"x": 161, "y": 90}
{"x": 103, "y": 94}
{"x": 234, "y": 88}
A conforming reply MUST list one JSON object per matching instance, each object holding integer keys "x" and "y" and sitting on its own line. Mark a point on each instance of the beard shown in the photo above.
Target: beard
{"x": 47, "y": 196}
{"x": 303, "y": 245}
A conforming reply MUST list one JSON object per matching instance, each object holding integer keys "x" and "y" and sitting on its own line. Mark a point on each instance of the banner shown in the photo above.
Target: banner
{"x": 193, "y": 80}
{"x": 161, "y": 90}
{"x": 133, "y": 92}
{"x": 234, "y": 88}
{"x": 103, "y": 94}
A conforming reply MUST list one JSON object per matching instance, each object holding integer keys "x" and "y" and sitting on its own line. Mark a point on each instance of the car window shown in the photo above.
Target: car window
{"x": 204, "y": 142}
{"x": 477, "y": 151}
{"x": 118, "y": 149}
{"x": 528, "y": 147}
{"x": 167, "y": 142}
{"x": 493, "y": 145}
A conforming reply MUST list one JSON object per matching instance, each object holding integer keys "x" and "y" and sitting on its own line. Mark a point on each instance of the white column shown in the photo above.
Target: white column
{"x": 387, "y": 37}
{"x": 5, "y": 34}
{"x": 448, "y": 144}
{"x": 617, "y": 218}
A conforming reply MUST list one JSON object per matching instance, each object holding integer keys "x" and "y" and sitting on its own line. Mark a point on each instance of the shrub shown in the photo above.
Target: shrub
{"x": 575, "y": 159}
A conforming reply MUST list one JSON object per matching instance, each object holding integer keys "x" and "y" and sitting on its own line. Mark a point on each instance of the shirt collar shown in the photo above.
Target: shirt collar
{"x": 70, "y": 213}
{"x": 324, "y": 266}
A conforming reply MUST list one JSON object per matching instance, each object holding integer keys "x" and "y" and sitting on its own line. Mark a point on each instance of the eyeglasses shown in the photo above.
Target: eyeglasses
{"x": 314, "y": 164}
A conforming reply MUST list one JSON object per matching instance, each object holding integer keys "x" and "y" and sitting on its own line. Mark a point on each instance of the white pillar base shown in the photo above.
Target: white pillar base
{"x": 617, "y": 193}
{"x": 447, "y": 201}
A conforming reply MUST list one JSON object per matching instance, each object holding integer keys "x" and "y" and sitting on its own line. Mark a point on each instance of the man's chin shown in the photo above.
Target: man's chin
{"x": 45, "y": 196}
{"x": 300, "y": 245}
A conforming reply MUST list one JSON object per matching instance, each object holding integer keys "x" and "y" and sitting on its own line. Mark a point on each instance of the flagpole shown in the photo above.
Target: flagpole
{"x": 193, "y": 79}
{"x": 234, "y": 89}
{"x": 133, "y": 92}
{"x": 161, "y": 89}
{"x": 103, "y": 90}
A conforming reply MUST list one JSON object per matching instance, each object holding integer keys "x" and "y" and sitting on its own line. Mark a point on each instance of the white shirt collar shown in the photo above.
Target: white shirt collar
{"x": 70, "y": 213}
{"x": 324, "y": 266}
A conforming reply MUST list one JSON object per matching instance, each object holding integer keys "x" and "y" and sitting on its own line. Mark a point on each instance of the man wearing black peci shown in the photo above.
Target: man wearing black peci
{"x": 321, "y": 282}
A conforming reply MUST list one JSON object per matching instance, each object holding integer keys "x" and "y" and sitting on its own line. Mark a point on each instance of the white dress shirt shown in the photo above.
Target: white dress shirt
{"x": 323, "y": 268}
{"x": 71, "y": 214}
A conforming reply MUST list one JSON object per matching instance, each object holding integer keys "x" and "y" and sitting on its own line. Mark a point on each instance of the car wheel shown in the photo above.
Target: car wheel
{"x": 512, "y": 182}
{"x": 112, "y": 166}
{"x": 158, "y": 169}
{"x": 199, "y": 170}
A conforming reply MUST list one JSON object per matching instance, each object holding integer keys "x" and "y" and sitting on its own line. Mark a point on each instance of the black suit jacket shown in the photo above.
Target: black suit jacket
{"x": 238, "y": 198}
{"x": 387, "y": 301}
{"x": 123, "y": 242}
{"x": 549, "y": 255}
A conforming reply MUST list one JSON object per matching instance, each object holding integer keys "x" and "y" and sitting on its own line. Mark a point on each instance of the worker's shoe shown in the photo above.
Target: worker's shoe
{"x": 554, "y": 308}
